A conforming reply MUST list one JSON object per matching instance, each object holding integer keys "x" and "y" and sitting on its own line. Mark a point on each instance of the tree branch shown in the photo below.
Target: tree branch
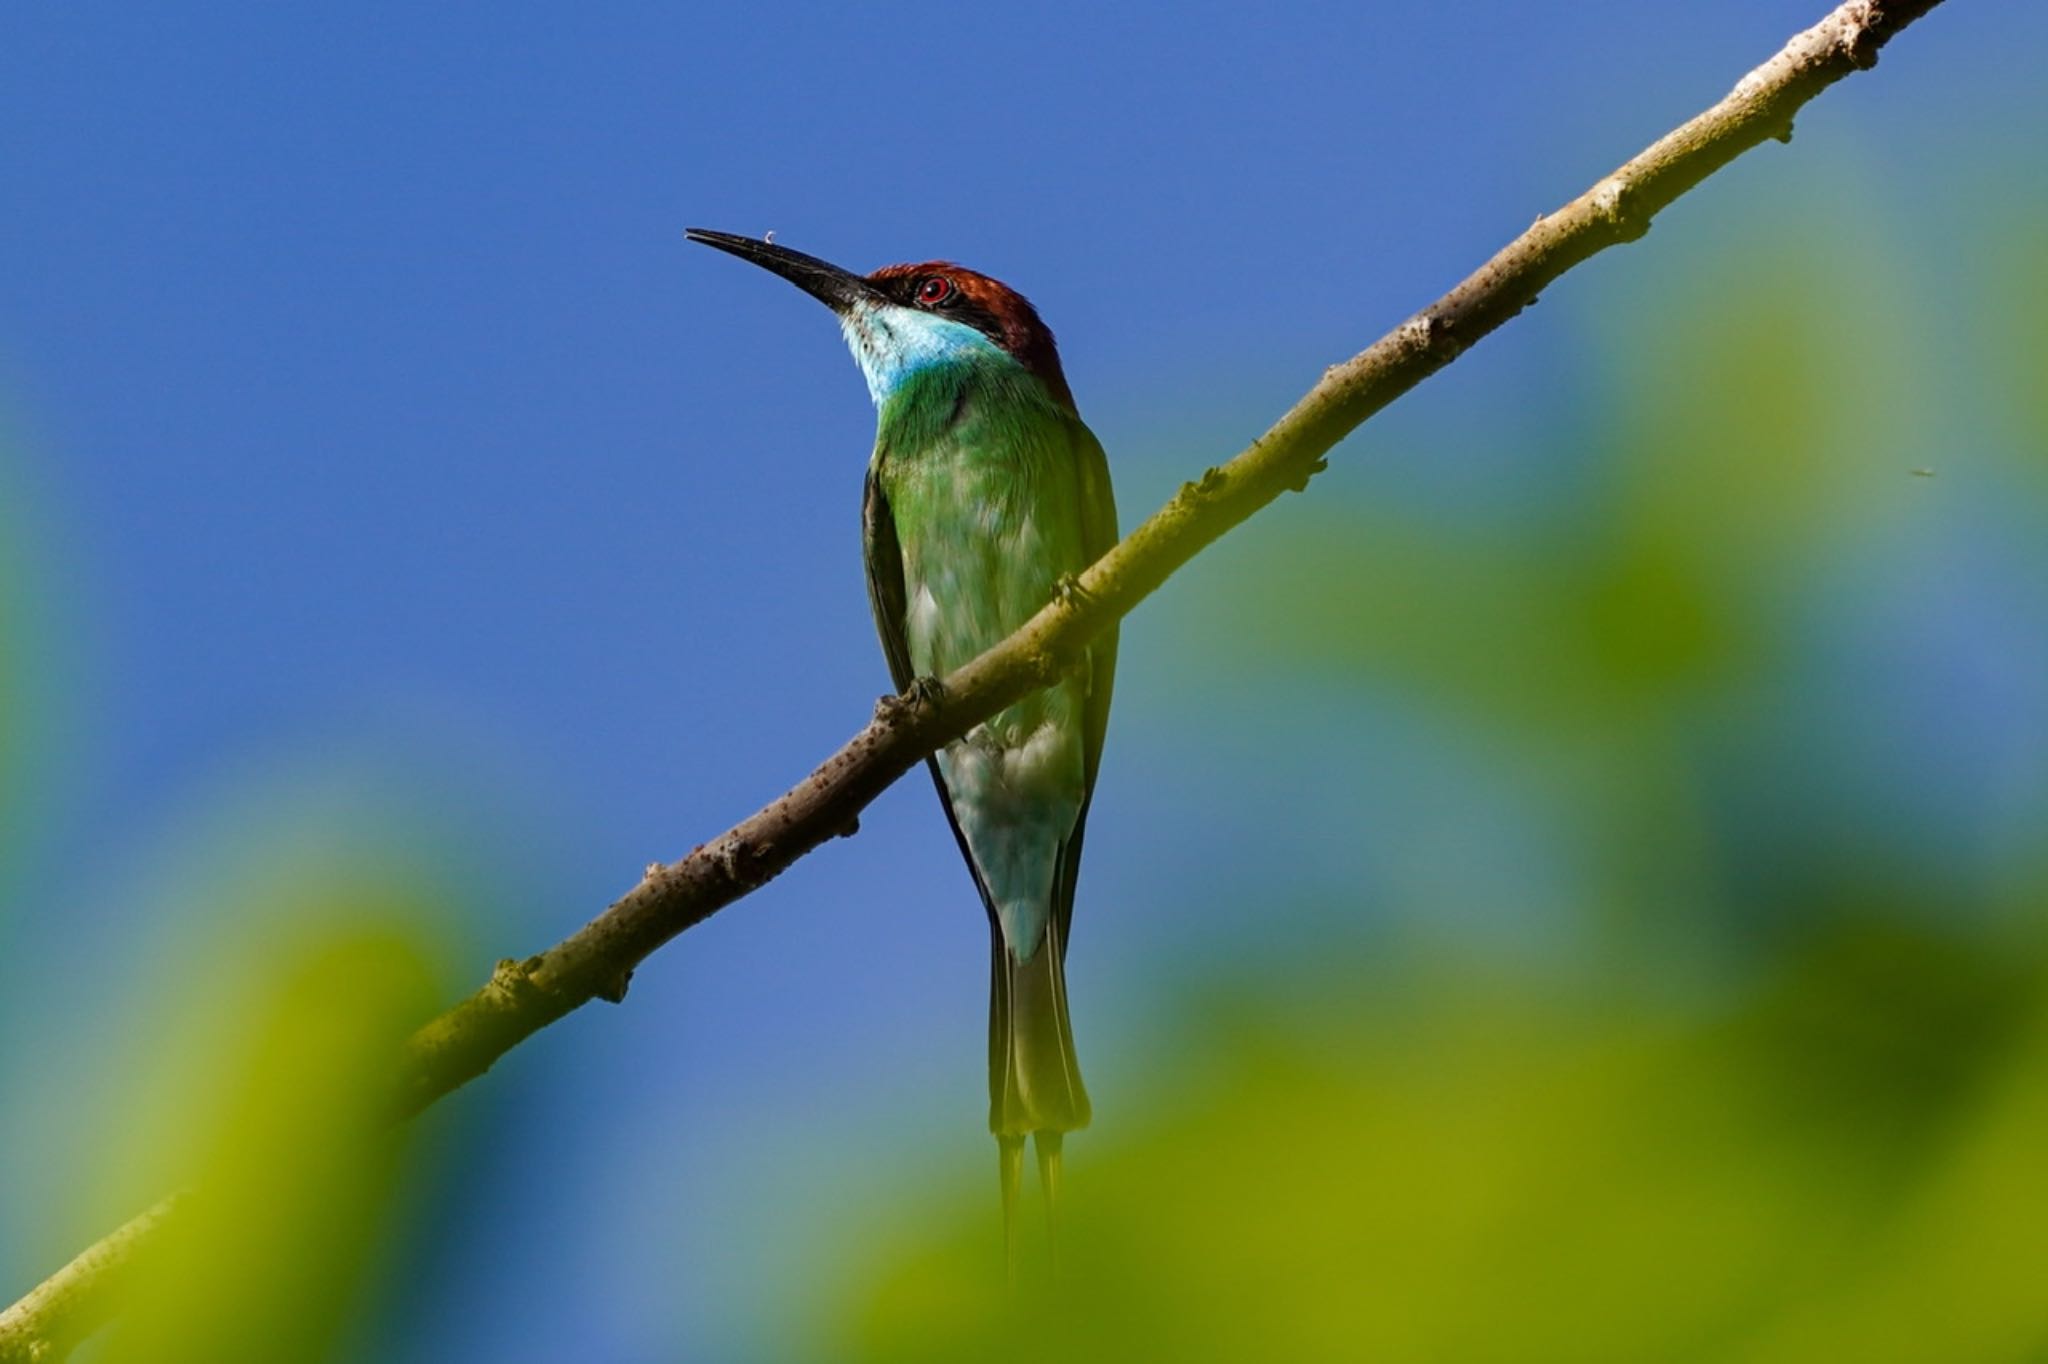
{"x": 597, "y": 961}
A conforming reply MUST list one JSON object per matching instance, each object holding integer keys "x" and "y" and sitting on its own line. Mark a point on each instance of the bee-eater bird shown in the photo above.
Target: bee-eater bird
{"x": 985, "y": 494}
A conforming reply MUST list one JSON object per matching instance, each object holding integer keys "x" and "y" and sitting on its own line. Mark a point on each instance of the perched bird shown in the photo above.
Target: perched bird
{"x": 985, "y": 495}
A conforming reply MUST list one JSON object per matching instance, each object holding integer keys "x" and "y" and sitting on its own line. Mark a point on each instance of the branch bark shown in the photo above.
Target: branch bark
{"x": 597, "y": 961}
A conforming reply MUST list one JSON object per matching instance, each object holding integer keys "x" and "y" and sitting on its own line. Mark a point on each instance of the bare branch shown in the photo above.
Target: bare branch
{"x": 597, "y": 960}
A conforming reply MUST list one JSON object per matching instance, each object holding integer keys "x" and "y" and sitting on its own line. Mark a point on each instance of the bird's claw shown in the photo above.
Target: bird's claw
{"x": 1067, "y": 590}
{"x": 922, "y": 691}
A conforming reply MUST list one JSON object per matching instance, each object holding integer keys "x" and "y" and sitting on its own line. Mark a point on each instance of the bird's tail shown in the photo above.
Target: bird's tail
{"x": 1034, "y": 1078}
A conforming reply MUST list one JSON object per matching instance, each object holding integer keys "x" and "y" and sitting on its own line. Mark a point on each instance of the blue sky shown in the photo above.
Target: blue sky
{"x": 385, "y": 458}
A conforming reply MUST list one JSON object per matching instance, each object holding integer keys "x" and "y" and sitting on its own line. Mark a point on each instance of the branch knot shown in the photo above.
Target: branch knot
{"x": 1859, "y": 40}
{"x": 512, "y": 979}
{"x": 1428, "y": 336}
{"x": 1610, "y": 199}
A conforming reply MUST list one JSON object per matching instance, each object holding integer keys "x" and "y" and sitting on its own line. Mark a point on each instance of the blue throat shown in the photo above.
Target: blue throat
{"x": 892, "y": 344}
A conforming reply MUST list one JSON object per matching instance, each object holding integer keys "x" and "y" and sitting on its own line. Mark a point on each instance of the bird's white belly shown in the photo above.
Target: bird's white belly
{"x": 1015, "y": 782}
{"x": 1016, "y": 796}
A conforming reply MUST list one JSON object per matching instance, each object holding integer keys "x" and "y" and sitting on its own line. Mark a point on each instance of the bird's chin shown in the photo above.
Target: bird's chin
{"x": 891, "y": 343}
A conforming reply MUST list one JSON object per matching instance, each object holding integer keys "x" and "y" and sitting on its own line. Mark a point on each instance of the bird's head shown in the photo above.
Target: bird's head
{"x": 905, "y": 318}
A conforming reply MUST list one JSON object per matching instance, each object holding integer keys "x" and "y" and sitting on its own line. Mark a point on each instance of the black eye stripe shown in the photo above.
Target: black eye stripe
{"x": 957, "y": 305}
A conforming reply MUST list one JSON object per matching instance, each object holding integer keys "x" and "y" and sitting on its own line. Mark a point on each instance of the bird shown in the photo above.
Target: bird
{"x": 985, "y": 496}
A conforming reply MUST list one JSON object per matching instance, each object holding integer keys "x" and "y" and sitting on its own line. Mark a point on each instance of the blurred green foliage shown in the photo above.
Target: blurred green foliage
{"x": 1844, "y": 1165}
{"x": 251, "y": 1069}
{"x": 293, "y": 1163}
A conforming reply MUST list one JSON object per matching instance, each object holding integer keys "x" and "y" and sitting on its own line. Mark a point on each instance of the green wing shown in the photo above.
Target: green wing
{"x": 884, "y": 557}
{"x": 885, "y": 576}
{"x": 1098, "y": 535}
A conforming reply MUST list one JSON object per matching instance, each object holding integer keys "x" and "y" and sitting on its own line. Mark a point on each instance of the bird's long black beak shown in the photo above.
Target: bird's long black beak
{"x": 837, "y": 289}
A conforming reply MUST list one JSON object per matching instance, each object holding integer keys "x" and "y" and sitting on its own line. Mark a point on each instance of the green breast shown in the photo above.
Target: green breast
{"x": 987, "y": 514}
{"x": 984, "y": 489}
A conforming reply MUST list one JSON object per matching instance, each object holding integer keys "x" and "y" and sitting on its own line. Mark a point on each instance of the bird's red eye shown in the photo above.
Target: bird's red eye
{"x": 937, "y": 289}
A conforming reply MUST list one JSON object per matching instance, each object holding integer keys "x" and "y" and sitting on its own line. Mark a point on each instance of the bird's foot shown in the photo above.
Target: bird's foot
{"x": 1067, "y": 591}
{"x": 922, "y": 691}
